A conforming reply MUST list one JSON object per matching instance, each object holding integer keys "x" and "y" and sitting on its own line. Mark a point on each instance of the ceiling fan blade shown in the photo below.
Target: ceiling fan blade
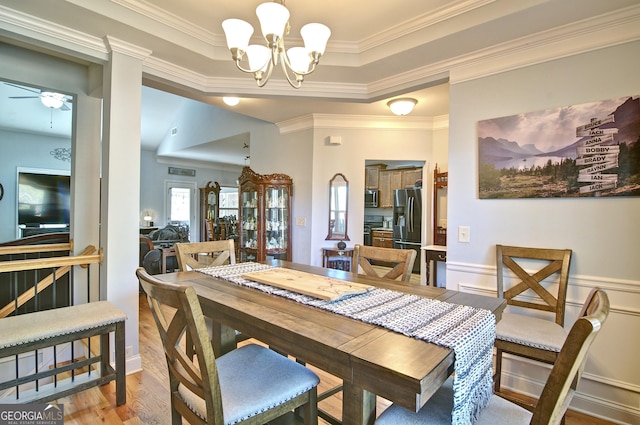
{"x": 23, "y": 88}
{"x": 64, "y": 107}
{"x": 24, "y": 97}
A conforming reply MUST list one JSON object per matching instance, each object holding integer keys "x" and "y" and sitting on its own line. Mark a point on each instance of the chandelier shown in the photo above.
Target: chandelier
{"x": 274, "y": 22}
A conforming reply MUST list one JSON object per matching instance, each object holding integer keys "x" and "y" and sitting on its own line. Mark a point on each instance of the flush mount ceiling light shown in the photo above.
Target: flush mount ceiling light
{"x": 402, "y": 106}
{"x": 230, "y": 100}
{"x": 52, "y": 100}
{"x": 274, "y": 22}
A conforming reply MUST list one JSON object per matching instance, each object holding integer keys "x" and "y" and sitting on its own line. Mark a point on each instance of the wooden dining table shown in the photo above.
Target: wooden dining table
{"x": 369, "y": 359}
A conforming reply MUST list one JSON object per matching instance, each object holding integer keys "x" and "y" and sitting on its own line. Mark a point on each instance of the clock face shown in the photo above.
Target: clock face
{"x": 212, "y": 198}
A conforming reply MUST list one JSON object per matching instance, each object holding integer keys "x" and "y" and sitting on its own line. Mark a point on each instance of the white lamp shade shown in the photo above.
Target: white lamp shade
{"x": 259, "y": 57}
{"x": 402, "y": 106}
{"x": 299, "y": 59}
{"x": 273, "y": 18}
{"x": 238, "y": 33}
{"x": 52, "y": 100}
{"x": 315, "y": 37}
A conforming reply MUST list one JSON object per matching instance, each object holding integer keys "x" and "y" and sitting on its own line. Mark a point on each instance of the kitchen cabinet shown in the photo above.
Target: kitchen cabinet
{"x": 209, "y": 207}
{"x": 265, "y": 218}
{"x": 390, "y": 180}
{"x": 440, "y": 184}
{"x": 398, "y": 178}
{"x": 410, "y": 177}
{"x": 382, "y": 238}
{"x": 372, "y": 175}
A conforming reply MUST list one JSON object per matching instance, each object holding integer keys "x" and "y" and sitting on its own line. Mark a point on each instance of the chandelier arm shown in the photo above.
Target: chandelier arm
{"x": 314, "y": 62}
{"x": 261, "y": 81}
{"x": 299, "y": 78}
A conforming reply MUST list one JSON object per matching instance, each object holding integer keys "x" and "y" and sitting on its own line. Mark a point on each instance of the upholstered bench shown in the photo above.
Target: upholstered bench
{"x": 35, "y": 331}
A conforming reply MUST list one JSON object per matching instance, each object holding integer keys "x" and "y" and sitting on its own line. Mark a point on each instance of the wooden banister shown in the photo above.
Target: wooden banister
{"x": 30, "y": 249}
{"x": 64, "y": 264}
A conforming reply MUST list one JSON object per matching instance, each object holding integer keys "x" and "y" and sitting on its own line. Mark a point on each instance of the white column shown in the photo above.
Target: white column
{"x": 121, "y": 185}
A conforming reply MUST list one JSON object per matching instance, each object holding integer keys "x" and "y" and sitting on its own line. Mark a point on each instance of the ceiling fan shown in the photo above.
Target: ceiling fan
{"x": 49, "y": 99}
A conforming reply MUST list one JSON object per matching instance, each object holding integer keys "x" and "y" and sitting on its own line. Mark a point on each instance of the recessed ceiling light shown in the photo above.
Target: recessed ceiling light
{"x": 231, "y": 101}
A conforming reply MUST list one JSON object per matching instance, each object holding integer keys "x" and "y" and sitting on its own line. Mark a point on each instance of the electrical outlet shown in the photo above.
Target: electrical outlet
{"x": 464, "y": 234}
{"x": 128, "y": 351}
{"x": 301, "y": 221}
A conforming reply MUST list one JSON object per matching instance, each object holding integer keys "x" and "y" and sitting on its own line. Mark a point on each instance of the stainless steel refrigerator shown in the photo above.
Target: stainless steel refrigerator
{"x": 407, "y": 221}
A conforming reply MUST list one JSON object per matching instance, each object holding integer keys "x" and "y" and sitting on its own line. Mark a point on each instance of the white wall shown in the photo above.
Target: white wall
{"x": 154, "y": 174}
{"x": 307, "y": 157}
{"x": 603, "y": 233}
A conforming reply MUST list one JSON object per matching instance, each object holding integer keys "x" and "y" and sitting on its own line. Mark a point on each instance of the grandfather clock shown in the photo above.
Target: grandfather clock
{"x": 209, "y": 207}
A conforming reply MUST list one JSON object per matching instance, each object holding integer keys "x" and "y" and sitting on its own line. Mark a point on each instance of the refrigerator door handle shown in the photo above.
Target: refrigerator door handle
{"x": 411, "y": 214}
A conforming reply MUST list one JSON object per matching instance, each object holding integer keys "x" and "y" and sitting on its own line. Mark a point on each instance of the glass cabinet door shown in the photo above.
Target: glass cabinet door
{"x": 276, "y": 222}
{"x": 250, "y": 223}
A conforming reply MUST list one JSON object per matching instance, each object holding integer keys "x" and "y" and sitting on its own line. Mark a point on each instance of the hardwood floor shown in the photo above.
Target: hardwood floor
{"x": 148, "y": 395}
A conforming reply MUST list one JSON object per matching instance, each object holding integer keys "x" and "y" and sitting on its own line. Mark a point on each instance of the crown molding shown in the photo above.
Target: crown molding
{"x": 614, "y": 28}
{"x": 421, "y": 22}
{"x": 56, "y": 37}
{"x": 119, "y": 46}
{"x": 606, "y": 30}
{"x": 331, "y": 121}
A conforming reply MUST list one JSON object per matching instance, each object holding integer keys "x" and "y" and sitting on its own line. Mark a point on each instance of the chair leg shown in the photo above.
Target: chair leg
{"x": 496, "y": 376}
{"x": 309, "y": 411}
{"x": 176, "y": 418}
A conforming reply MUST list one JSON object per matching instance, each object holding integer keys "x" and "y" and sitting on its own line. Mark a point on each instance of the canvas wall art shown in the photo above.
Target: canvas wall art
{"x": 587, "y": 150}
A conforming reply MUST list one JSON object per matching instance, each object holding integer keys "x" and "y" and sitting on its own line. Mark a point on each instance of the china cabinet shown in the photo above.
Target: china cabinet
{"x": 209, "y": 207}
{"x": 265, "y": 216}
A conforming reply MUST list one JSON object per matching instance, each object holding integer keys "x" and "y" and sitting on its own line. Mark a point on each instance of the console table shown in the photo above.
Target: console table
{"x": 339, "y": 259}
{"x": 434, "y": 253}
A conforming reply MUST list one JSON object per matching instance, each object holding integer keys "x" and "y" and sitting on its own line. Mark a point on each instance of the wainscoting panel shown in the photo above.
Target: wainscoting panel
{"x": 610, "y": 386}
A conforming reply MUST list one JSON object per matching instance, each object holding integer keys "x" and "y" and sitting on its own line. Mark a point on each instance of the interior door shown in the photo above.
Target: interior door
{"x": 181, "y": 205}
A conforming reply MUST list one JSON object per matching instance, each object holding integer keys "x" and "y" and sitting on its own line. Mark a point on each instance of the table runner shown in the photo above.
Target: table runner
{"x": 468, "y": 331}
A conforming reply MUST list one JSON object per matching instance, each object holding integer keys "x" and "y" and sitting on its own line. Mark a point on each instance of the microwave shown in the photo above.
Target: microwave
{"x": 371, "y": 198}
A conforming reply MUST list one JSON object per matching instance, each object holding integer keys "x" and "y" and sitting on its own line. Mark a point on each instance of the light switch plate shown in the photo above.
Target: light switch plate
{"x": 301, "y": 221}
{"x": 464, "y": 234}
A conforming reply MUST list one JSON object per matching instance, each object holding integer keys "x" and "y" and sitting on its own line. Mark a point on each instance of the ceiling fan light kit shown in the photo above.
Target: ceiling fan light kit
{"x": 52, "y": 100}
{"x": 402, "y": 106}
{"x": 274, "y": 23}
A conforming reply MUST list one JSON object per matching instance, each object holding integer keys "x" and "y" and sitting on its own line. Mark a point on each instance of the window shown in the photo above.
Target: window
{"x": 228, "y": 201}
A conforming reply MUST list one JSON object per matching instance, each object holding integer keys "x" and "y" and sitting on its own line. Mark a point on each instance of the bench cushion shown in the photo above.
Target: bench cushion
{"x": 40, "y": 325}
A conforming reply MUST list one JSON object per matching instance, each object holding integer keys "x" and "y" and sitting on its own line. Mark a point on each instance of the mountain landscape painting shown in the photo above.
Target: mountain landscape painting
{"x": 587, "y": 150}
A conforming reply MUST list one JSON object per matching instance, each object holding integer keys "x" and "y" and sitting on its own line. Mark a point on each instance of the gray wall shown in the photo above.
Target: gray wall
{"x": 604, "y": 233}
{"x": 25, "y": 151}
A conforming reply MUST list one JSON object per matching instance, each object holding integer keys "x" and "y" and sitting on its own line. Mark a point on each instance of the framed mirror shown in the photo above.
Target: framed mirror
{"x": 338, "y": 211}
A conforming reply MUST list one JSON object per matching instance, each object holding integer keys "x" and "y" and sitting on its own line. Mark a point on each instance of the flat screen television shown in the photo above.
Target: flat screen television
{"x": 43, "y": 199}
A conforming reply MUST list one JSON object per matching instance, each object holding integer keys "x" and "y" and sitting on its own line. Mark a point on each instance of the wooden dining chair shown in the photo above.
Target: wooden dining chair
{"x": 249, "y": 385}
{"x": 197, "y": 255}
{"x": 400, "y": 260}
{"x": 543, "y": 289}
{"x": 556, "y": 394}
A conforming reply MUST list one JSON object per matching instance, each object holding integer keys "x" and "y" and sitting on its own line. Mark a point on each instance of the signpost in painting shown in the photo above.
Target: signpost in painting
{"x": 588, "y": 150}
{"x": 596, "y": 157}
